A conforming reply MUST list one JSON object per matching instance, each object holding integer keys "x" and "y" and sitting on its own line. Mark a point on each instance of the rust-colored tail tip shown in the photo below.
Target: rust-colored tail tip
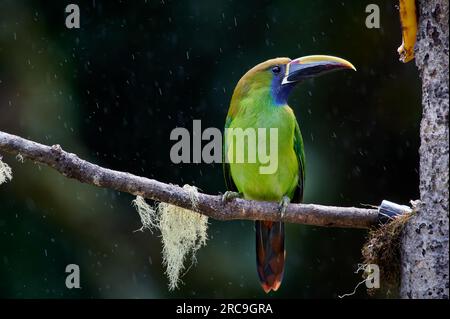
{"x": 267, "y": 288}
{"x": 276, "y": 285}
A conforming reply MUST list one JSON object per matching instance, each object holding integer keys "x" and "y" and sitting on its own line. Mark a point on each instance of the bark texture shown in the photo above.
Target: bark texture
{"x": 70, "y": 165}
{"x": 425, "y": 248}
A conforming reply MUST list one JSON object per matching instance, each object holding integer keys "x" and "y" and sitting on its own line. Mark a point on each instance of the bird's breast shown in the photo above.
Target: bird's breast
{"x": 274, "y": 171}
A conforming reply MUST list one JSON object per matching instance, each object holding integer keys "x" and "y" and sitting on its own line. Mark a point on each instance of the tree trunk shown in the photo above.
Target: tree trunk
{"x": 425, "y": 247}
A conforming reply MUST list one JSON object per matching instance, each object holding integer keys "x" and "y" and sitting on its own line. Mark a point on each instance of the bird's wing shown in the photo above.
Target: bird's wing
{"x": 300, "y": 153}
{"x": 231, "y": 186}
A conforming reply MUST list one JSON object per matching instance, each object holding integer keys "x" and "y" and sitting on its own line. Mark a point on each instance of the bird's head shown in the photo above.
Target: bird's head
{"x": 274, "y": 79}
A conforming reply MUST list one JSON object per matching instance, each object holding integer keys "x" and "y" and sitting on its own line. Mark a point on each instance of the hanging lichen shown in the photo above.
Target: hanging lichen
{"x": 183, "y": 232}
{"x": 148, "y": 214}
{"x": 5, "y": 172}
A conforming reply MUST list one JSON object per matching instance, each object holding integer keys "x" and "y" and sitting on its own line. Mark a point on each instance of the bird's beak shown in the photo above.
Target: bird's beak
{"x": 312, "y": 66}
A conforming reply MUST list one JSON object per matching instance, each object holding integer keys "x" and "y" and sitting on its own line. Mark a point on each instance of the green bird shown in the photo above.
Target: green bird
{"x": 259, "y": 101}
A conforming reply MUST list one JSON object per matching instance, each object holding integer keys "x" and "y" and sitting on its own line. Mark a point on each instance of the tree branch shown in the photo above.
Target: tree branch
{"x": 70, "y": 165}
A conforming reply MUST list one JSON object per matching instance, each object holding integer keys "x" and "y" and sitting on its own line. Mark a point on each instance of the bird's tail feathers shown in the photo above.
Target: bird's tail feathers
{"x": 270, "y": 254}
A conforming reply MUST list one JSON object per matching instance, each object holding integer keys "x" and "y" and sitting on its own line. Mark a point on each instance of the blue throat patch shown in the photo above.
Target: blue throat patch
{"x": 280, "y": 93}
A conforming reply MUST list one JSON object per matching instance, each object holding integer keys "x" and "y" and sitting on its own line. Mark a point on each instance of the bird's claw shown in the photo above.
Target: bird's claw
{"x": 229, "y": 195}
{"x": 282, "y": 206}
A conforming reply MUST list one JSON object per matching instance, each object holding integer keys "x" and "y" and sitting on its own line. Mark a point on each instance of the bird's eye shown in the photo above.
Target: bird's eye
{"x": 276, "y": 69}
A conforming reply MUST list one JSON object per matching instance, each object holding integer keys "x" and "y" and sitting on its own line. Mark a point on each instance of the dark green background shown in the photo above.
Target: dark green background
{"x": 113, "y": 90}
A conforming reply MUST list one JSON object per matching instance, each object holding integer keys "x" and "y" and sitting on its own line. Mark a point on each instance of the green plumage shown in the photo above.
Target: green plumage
{"x": 253, "y": 106}
{"x": 289, "y": 176}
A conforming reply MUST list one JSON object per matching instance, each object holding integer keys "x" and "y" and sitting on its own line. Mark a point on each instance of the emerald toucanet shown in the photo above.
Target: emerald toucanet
{"x": 260, "y": 101}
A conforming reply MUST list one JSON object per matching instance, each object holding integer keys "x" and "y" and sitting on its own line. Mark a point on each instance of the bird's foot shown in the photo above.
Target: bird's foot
{"x": 282, "y": 205}
{"x": 229, "y": 195}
